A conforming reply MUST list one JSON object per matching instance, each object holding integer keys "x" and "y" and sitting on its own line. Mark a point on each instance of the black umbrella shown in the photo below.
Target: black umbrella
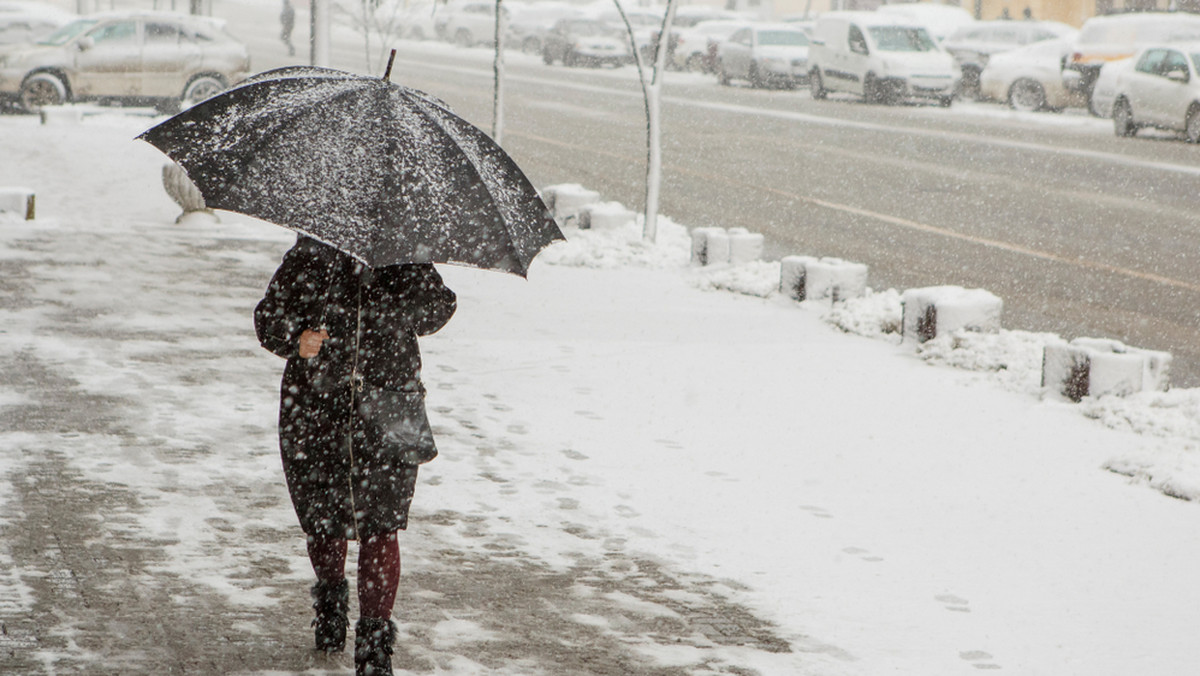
{"x": 382, "y": 172}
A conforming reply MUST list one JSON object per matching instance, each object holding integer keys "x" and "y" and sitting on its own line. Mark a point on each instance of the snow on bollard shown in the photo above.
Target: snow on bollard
{"x": 181, "y": 189}
{"x": 1095, "y": 366}
{"x": 793, "y": 276}
{"x": 566, "y": 199}
{"x": 809, "y": 278}
{"x": 938, "y": 310}
{"x": 51, "y": 115}
{"x": 745, "y": 247}
{"x": 605, "y": 216}
{"x": 700, "y": 244}
{"x": 717, "y": 247}
{"x": 20, "y": 201}
{"x": 835, "y": 279}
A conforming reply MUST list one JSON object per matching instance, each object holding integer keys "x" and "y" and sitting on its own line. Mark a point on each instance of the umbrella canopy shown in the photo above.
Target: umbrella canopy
{"x": 385, "y": 173}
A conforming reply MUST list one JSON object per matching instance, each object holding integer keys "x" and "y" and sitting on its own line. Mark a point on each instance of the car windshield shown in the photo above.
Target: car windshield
{"x": 791, "y": 38}
{"x": 902, "y": 39}
{"x": 64, "y": 35}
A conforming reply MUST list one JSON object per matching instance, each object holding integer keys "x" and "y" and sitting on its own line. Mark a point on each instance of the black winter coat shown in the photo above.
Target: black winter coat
{"x": 344, "y": 479}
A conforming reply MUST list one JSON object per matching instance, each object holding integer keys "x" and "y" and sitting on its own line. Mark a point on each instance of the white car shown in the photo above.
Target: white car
{"x": 695, "y": 48}
{"x": 1104, "y": 39}
{"x": 1030, "y": 78}
{"x": 1160, "y": 90}
{"x": 1104, "y": 89}
{"x": 470, "y": 23}
{"x": 764, "y": 55}
{"x": 156, "y": 57}
{"x": 974, "y": 44}
{"x": 879, "y": 59}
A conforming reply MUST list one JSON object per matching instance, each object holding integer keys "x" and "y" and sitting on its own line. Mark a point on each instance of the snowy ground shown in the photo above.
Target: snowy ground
{"x": 644, "y": 438}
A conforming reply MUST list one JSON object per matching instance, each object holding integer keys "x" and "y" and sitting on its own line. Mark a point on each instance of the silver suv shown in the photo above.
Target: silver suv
{"x": 152, "y": 57}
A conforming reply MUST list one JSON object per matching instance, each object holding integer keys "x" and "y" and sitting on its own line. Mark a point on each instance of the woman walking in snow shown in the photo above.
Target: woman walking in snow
{"x": 352, "y": 424}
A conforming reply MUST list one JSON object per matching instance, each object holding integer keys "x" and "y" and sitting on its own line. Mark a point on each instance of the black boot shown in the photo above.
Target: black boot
{"x": 373, "y": 639}
{"x": 331, "y": 600}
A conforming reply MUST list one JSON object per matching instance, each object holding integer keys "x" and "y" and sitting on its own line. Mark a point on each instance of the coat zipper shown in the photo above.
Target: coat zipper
{"x": 356, "y": 386}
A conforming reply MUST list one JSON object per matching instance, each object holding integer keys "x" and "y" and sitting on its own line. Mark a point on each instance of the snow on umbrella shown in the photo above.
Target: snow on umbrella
{"x": 384, "y": 173}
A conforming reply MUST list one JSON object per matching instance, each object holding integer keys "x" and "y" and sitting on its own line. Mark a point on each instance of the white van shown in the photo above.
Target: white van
{"x": 878, "y": 58}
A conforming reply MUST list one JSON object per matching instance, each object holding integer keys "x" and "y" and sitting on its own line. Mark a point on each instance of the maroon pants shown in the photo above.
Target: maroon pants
{"x": 378, "y": 569}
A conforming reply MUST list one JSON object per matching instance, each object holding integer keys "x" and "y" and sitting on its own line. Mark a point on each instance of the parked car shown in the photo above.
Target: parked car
{"x": 1104, "y": 90}
{"x": 764, "y": 54}
{"x": 696, "y": 47}
{"x": 1114, "y": 37}
{"x": 470, "y": 23}
{"x": 1160, "y": 90}
{"x": 23, "y": 28}
{"x": 645, "y": 23}
{"x": 152, "y": 57}
{"x": 1030, "y": 78}
{"x": 938, "y": 20}
{"x": 527, "y": 28}
{"x": 973, "y": 44}
{"x": 586, "y": 42}
{"x": 878, "y": 58}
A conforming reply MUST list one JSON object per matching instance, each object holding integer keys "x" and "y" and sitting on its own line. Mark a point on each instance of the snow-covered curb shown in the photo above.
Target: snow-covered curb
{"x": 1010, "y": 358}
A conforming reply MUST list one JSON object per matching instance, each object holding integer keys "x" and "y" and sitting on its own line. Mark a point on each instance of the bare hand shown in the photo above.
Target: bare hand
{"x": 310, "y": 342}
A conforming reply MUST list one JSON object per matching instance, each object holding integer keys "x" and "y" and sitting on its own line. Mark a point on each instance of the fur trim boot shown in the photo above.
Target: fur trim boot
{"x": 331, "y": 600}
{"x": 373, "y": 640}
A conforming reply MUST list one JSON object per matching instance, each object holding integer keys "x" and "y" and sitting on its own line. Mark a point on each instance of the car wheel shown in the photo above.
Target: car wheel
{"x": 1192, "y": 127}
{"x": 42, "y": 89}
{"x": 871, "y": 89}
{"x": 202, "y": 87}
{"x": 815, "y": 86}
{"x": 1123, "y": 119}
{"x": 463, "y": 38}
{"x": 547, "y": 57}
{"x": 946, "y": 101}
{"x": 1026, "y": 95}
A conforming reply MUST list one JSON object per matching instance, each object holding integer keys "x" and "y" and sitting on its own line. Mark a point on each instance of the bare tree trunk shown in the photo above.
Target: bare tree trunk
{"x": 320, "y": 33}
{"x": 654, "y": 125}
{"x": 498, "y": 68}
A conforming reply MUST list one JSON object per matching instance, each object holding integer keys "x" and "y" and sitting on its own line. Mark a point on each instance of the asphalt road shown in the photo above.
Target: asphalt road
{"x": 1081, "y": 233}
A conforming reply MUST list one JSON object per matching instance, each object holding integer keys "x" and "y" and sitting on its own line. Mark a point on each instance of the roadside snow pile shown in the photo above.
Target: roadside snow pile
{"x": 1011, "y": 358}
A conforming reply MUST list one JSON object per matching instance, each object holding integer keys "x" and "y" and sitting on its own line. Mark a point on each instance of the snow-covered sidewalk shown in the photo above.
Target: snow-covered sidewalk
{"x": 640, "y": 472}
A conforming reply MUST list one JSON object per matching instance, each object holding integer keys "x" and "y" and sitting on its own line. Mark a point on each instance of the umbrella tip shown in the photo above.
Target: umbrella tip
{"x": 387, "y": 74}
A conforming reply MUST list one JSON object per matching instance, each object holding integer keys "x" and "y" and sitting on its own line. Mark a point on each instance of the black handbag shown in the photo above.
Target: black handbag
{"x": 397, "y": 419}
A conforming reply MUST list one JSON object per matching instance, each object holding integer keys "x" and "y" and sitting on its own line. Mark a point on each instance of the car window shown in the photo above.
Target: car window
{"x": 902, "y": 39}
{"x": 789, "y": 38}
{"x": 162, "y": 33}
{"x": 1174, "y": 62}
{"x": 68, "y": 32}
{"x": 1150, "y": 61}
{"x": 858, "y": 42}
{"x": 742, "y": 36}
{"x": 119, "y": 33}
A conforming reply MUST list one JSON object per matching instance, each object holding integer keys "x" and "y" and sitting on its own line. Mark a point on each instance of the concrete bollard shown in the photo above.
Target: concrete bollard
{"x": 51, "y": 115}
{"x": 700, "y": 244}
{"x": 745, "y": 247}
{"x": 793, "y": 276}
{"x": 1094, "y": 367}
{"x": 20, "y": 201}
{"x": 605, "y": 216}
{"x": 809, "y": 278}
{"x": 939, "y": 310}
{"x": 181, "y": 189}
{"x": 566, "y": 199}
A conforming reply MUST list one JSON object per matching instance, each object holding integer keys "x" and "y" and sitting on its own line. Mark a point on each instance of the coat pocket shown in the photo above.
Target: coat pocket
{"x": 397, "y": 422}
